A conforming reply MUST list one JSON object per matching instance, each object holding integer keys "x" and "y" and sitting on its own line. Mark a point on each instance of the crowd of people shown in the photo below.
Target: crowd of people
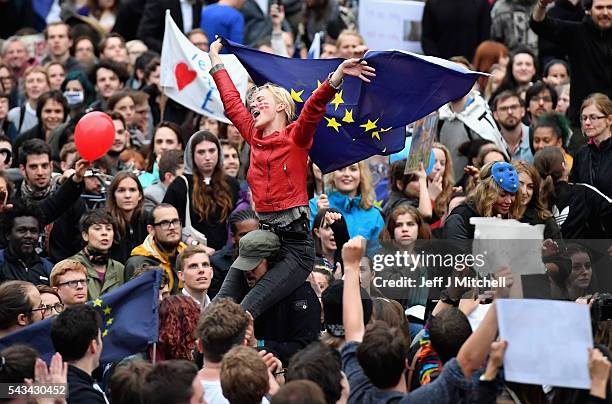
{"x": 270, "y": 286}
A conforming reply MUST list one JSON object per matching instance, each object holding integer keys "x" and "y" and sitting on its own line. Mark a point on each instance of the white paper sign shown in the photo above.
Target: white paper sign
{"x": 391, "y": 24}
{"x": 185, "y": 78}
{"x": 548, "y": 342}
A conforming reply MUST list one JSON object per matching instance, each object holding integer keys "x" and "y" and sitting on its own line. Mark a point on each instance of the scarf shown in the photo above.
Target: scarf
{"x": 30, "y": 194}
{"x": 95, "y": 256}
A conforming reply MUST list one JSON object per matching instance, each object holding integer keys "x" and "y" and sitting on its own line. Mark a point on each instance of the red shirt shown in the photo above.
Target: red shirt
{"x": 277, "y": 174}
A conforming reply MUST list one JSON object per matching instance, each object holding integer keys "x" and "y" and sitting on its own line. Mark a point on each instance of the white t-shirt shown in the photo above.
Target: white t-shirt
{"x": 213, "y": 394}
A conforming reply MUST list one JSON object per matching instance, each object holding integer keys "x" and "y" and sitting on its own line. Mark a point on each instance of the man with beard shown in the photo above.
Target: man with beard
{"x": 587, "y": 44}
{"x": 508, "y": 111}
{"x": 19, "y": 261}
{"x": 162, "y": 245}
{"x": 60, "y": 206}
{"x": 540, "y": 98}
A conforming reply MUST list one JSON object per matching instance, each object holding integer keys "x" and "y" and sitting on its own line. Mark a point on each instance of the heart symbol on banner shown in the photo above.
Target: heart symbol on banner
{"x": 184, "y": 75}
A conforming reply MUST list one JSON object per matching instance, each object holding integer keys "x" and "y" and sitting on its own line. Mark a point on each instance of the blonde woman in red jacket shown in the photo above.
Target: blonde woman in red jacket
{"x": 277, "y": 177}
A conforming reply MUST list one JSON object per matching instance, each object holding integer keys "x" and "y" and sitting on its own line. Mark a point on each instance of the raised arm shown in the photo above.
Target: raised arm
{"x": 316, "y": 106}
{"x": 234, "y": 107}
{"x": 352, "y": 310}
{"x": 539, "y": 11}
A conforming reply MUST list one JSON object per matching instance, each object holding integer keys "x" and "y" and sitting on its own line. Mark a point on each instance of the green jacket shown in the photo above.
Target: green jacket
{"x": 95, "y": 287}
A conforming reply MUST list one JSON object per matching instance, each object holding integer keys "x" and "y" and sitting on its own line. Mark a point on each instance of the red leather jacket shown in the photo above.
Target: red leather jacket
{"x": 277, "y": 174}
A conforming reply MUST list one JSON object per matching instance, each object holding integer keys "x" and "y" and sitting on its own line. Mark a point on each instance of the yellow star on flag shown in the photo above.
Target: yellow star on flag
{"x": 297, "y": 95}
{"x": 331, "y": 122}
{"x": 378, "y": 204}
{"x": 318, "y": 85}
{"x": 348, "y": 116}
{"x": 369, "y": 125}
{"x": 105, "y": 333}
{"x": 376, "y": 135}
{"x": 98, "y": 303}
{"x": 337, "y": 100}
{"x": 109, "y": 321}
{"x": 107, "y": 310}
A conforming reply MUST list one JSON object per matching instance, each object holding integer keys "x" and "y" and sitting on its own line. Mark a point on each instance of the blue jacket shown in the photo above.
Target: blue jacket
{"x": 360, "y": 222}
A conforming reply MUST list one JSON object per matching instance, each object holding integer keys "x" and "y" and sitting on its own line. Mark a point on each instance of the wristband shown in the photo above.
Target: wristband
{"x": 216, "y": 68}
{"x": 331, "y": 84}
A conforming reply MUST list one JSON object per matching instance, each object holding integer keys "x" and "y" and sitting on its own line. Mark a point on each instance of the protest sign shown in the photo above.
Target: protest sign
{"x": 548, "y": 342}
{"x": 185, "y": 78}
{"x": 391, "y": 24}
{"x": 507, "y": 242}
{"x": 422, "y": 139}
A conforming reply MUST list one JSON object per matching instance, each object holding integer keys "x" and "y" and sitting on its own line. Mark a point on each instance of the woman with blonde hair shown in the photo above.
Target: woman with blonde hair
{"x": 532, "y": 210}
{"x": 352, "y": 194}
{"x": 592, "y": 163}
{"x": 496, "y": 195}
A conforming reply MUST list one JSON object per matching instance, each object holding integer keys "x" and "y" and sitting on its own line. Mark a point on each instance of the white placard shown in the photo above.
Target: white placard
{"x": 548, "y": 342}
{"x": 391, "y": 24}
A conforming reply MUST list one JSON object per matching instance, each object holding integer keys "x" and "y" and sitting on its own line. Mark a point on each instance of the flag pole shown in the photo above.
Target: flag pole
{"x": 154, "y": 353}
{"x": 163, "y": 98}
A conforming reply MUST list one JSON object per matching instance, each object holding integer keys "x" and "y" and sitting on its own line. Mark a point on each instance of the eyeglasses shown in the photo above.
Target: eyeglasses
{"x": 592, "y": 118}
{"x": 48, "y": 310}
{"x": 509, "y": 108}
{"x": 74, "y": 284}
{"x": 165, "y": 224}
{"x": 545, "y": 98}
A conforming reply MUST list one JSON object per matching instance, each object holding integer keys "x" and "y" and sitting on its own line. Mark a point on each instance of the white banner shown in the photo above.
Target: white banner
{"x": 185, "y": 77}
{"x": 391, "y": 24}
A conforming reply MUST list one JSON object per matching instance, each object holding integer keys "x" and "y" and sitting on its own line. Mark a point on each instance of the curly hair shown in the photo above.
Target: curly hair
{"x": 178, "y": 317}
{"x": 487, "y": 191}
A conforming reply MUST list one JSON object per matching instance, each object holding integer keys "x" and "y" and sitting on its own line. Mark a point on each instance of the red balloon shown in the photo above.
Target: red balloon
{"x": 94, "y": 135}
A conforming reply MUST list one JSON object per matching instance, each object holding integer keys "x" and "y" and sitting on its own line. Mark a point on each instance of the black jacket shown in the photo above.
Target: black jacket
{"x": 582, "y": 211}
{"x": 65, "y": 237}
{"x": 214, "y": 229}
{"x": 151, "y": 27}
{"x": 562, "y": 10}
{"x": 300, "y": 316}
{"x": 135, "y": 234}
{"x": 551, "y": 229}
{"x": 14, "y": 15}
{"x": 457, "y": 225}
{"x": 37, "y": 271}
{"x": 590, "y": 54}
{"x": 221, "y": 262}
{"x": 593, "y": 165}
{"x": 452, "y": 27}
{"x": 53, "y": 206}
{"x": 81, "y": 388}
{"x": 128, "y": 18}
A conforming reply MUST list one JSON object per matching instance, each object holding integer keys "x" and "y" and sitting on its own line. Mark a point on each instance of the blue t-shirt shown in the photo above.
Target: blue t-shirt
{"x": 226, "y": 21}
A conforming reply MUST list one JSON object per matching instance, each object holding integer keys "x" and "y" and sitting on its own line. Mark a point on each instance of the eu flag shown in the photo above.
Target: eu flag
{"x": 363, "y": 119}
{"x": 130, "y": 321}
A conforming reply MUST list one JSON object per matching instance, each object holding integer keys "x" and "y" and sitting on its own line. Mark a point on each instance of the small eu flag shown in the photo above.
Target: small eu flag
{"x": 363, "y": 119}
{"x": 130, "y": 321}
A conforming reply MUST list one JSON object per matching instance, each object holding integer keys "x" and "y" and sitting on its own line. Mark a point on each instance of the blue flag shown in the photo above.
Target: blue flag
{"x": 130, "y": 321}
{"x": 363, "y": 119}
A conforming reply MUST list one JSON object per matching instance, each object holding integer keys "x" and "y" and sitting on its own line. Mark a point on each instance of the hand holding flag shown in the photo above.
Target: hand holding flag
{"x": 352, "y": 67}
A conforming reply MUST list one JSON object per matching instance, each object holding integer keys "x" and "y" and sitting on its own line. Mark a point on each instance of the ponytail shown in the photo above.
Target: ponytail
{"x": 547, "y": 192}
